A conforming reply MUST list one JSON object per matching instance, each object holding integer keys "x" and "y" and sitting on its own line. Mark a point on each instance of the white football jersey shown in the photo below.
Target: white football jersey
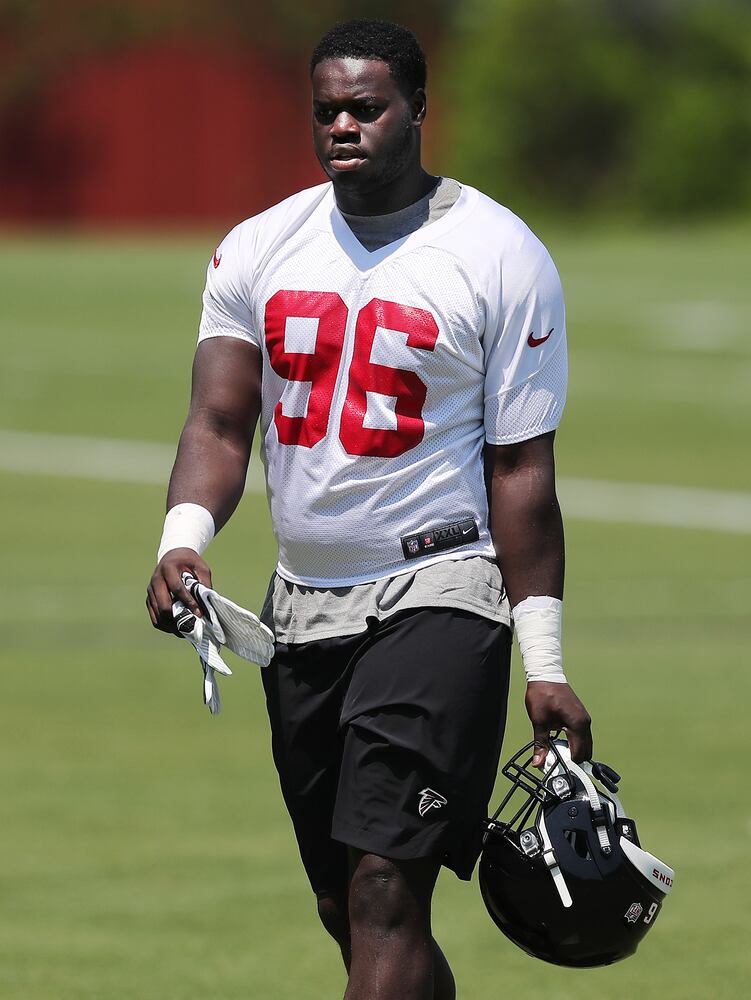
{"x": 385, "y": 372}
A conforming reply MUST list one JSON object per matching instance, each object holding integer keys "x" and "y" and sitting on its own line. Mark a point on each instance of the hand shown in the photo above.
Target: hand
{"x": 167, "y": 586}
{"x": 553, "y": 706}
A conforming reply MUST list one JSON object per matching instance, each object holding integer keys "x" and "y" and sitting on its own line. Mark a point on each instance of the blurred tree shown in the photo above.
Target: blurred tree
{"x": 568, "y": 104}
{"x": 691, "y": 141}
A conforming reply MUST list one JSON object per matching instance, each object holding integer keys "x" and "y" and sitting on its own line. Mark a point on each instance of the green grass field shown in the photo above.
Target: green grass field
{"x": 147, "y": 854}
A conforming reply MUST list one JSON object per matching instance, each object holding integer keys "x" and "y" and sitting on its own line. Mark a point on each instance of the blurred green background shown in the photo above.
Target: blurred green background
{"x": 147, "y": 850}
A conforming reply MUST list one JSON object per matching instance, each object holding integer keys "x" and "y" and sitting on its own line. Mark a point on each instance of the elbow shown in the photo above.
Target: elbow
{"x": 219, "y": 429}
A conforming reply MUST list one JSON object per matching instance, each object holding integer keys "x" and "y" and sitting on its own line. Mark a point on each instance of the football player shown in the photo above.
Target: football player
{"x": 401, "y": 337}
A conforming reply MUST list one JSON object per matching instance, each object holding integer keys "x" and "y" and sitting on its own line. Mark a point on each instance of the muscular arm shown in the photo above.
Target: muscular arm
{"x": 525, "y": 519}
{"x": 527, "y": 531}
{"x": 212, "y": 458}
{"x": 214, "y": 449}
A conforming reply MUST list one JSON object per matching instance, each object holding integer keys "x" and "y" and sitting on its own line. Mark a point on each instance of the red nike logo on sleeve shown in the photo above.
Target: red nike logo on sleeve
{"x": 217, "y": 258}
{"x": 536, "y": 341}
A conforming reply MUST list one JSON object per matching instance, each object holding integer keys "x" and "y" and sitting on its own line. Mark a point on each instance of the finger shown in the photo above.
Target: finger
{"x": 160, "y": 595}
{"x": 158, "y": 620}
{"x": 162, "y": 603}
{"x": 202, "y": 573}
{"x": 580, "y": 741}
{"x": 161, "y": 619}
{"x": 162, "y": 600}
{"x": 180, "y": 592}
{"x": 542, "y": 743}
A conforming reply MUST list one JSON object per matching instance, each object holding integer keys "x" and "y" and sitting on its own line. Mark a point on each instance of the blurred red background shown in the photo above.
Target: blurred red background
{"x": 160, "y": 112}
{"x": 166, "y": 133}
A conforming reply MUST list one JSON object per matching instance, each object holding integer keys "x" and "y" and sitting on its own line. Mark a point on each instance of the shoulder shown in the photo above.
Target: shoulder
{"x": 504, "y": 234}
{"x": 255, "y": 234}
{"x": 297, "y": 206}
{"x": 509, "y": 260}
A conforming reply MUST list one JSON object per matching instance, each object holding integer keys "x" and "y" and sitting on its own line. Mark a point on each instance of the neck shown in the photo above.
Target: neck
{"x": 397, "y": 194}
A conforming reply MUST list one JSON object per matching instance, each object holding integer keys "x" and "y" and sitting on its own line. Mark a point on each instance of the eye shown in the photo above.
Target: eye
{"x": 368, "y": 110}
{"x": 323, "y": 115}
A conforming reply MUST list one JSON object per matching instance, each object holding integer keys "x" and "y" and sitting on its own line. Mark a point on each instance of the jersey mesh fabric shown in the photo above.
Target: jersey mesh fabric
{"x": 480, "y": 278}
{"x": 532, "y": 408}
{"x": 357, "y": 508}
{"x": 215, "y": 326}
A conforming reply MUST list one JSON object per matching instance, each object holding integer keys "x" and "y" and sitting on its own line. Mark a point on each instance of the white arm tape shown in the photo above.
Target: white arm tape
{"x": 186, "y": 526}
{"x": 537, "y": 621}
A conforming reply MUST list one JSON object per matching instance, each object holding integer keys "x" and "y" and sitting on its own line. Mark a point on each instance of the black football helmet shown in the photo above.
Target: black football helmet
{"x": 565, "y": 877}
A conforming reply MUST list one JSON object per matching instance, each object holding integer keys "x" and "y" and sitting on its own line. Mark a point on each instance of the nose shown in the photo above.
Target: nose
{"x": 344, "y": 125}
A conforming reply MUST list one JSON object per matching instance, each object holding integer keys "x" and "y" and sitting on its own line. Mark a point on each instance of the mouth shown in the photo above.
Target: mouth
{"x": 346, "y": 158}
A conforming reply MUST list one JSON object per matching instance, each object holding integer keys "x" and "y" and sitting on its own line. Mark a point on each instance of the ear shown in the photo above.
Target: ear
{"x": 419, "y": 107}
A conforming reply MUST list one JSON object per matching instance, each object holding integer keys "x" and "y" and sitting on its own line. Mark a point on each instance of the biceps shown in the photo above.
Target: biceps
{"x": 531, "y": 457}
{"x": 226, "y": 385}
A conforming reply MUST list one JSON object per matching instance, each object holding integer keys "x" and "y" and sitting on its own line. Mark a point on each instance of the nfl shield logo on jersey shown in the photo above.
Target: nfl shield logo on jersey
{"x": 633, "y": 913}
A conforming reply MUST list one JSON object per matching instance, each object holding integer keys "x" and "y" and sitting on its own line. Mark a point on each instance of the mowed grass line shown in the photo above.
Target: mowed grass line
{"x": 146, "y": 462}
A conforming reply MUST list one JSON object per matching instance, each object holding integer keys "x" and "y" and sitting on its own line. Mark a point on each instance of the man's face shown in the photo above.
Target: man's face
{"x": 365, "y": 131}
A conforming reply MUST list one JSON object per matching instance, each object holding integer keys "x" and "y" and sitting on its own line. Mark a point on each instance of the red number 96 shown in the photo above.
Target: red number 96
{"x": 320, "y": 369}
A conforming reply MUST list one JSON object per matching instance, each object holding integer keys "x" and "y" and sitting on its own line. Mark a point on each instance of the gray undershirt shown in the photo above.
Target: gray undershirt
{"x": 305, "y": 614}
{"x": 376, "y": 231}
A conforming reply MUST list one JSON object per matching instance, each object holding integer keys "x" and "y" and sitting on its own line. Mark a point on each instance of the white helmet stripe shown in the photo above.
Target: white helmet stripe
{"x": 552, "y": 862}
{"x": 656, "y": 871}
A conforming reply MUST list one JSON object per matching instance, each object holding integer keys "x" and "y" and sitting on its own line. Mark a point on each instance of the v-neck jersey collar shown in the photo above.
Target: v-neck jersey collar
{"x": 365, "y": 260}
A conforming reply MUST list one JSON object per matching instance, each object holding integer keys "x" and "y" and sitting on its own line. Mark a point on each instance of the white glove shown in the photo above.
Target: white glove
{"x": 225, "y": 624}
{"x": 193, "y": 629}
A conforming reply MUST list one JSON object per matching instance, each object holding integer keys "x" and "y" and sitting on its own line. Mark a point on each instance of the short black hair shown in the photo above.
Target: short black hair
{"x": 369, "y": 38}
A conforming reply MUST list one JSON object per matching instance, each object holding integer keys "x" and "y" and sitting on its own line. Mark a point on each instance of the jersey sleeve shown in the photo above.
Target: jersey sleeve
{"x": 526, "y": 370}
{"x": 226, "y": 301}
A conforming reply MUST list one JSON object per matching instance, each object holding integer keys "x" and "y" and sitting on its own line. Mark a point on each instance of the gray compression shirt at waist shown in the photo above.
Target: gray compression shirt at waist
{"x": 304, "y": 614}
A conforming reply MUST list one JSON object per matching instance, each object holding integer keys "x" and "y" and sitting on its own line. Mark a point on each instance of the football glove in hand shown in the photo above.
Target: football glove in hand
{"x": 225, "y": 624}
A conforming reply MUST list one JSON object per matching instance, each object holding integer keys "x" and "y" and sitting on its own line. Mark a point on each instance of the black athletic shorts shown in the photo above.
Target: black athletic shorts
{"x": 389, "y": 740}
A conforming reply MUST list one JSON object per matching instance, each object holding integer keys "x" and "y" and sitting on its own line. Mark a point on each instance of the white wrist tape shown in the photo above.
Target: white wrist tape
{"x": 537, "y": 621}
{"x": 186, "y": 526}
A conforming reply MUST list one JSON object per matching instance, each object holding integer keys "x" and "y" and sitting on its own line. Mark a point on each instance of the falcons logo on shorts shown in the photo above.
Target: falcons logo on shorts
{"x": 430, "y": 800}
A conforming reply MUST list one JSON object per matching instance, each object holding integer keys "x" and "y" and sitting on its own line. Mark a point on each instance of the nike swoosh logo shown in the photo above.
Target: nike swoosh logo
{"x": 217, "y": 259}
{"x": 536, "y": 341}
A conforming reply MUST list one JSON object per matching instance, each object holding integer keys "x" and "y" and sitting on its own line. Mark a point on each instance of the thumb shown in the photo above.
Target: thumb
{"x": 542, "y": 743}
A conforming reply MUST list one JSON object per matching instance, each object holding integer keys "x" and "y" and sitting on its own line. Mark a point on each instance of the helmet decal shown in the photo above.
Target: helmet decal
{"x": 633, "y": 913}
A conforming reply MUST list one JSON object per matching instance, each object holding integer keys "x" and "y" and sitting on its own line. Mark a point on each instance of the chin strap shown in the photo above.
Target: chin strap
{"x": 598, "y": 801}
{"x": 552, "y": 862}
{"x": 596, "y": 805}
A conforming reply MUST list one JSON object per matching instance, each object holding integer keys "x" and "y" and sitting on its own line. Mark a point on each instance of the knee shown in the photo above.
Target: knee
{"x": 332, "y": 909}
{"x": 379, "y": 895}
